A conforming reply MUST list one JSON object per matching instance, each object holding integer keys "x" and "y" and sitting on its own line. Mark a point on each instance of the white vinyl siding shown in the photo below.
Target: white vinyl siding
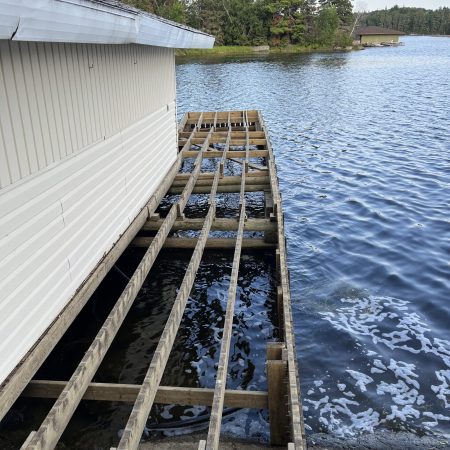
{"x": 81, "y": 152}
{"x": 58, "y": 99}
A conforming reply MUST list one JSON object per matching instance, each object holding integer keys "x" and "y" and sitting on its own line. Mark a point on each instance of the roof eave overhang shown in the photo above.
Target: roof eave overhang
{"x": 86, "y": 21}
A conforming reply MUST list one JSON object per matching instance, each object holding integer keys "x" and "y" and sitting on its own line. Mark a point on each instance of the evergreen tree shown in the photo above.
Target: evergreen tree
{"x": 344, "y": 9}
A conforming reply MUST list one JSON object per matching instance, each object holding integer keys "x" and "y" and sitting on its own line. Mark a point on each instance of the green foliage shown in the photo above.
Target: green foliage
{"x": 410, "y": 20}
{"x": 344, "y": 9}
{"x": 302, "y": 23}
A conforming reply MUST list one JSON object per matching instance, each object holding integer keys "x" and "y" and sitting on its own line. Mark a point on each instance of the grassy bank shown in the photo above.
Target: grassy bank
{"x": 247, "y": 50}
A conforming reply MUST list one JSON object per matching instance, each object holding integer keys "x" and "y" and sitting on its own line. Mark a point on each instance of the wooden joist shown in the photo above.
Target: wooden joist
{"x": 167, "y": 395}
{"x": 54, "y": 424}
{"x": 134, "y": 428}
{"x": 211, "y": 244}
{"x": 212, "y": 441}
{"x": 232, "y": 188}
{"x": 219, "y": 224}
{"x": 206, "y": 179}
{"x": 231, "y": 154}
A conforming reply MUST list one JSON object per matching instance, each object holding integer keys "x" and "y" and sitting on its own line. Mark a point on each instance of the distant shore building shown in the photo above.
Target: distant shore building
{"x": 88, "y": 130}
{"x": 377, "y": 35}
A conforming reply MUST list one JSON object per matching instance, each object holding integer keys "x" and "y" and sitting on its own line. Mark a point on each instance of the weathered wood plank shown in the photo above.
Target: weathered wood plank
{"x": 231, "y": 154}
{"x": 212, "y": 243}
{"x": 142, "y": 406}
{"x": 166, "y": 395}
{"x": 293, "y": 387}
{"x": 54, "y": 424}
{"x": 212, "y": 441}
{"x": 277, "y": 390}
{"x": 225, "y": 181}
{"x": 219, "y": 224}
{"x": 222, "y": 189}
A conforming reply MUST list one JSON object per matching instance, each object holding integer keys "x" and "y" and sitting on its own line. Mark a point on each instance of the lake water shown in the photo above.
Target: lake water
{"x": 362, "y": 142}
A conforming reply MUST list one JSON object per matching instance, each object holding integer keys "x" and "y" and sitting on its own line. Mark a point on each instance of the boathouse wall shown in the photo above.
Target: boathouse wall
{"x": 379, "y": 38}
{"x": 87, "y": 133}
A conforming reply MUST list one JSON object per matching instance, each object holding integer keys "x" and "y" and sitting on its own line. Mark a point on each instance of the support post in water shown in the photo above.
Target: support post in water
{"x": 277, "y": 394}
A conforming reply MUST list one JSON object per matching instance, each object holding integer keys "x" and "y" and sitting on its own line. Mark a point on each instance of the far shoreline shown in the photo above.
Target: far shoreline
{"x": 242, "y": 50}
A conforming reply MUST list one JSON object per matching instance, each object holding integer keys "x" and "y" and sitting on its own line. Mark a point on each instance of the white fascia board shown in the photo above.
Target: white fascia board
{"x": 86, "y": 21}
{"x": 156, "y": 32}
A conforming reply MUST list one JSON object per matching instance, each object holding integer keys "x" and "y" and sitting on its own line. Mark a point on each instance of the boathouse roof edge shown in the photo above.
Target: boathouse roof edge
{"x": 93, "y": 22}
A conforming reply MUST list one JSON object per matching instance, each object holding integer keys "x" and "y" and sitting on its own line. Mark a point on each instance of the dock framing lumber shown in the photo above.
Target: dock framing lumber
{"x": 166, "y": 395}
{"x": 212, "y": 243}
{"x": 134, "y": 428}
{"x": 51, "y": 429}
{"x": 219, "y": 224}
{"x": 231, "y": 136}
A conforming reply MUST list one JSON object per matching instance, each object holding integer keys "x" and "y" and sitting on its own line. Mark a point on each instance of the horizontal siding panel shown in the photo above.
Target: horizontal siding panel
{"x": 56, "y": 225}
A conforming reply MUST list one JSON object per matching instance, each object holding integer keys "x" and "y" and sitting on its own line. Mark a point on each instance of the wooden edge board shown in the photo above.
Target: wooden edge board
{"x": 296, "y": 414}
{"x": 167, "y": 395}
{"x": 54, "y": 424}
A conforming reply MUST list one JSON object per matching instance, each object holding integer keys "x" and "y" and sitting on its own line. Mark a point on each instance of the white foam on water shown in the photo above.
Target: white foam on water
{"x": 394, "y": 381}
{"x": 361, "y": 379}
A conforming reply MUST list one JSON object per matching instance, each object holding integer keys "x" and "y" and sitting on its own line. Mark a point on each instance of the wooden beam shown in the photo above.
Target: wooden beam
{"x": 183, "y": 177}
{"x": 232, "y": 153}
{"x": 255, "y": 178}
{"x": 167, "y": 395}
{"x": 212, "y": 441}
{"x": 51, "y": 429}
{"x": 134, "y": 428}
{"x": 235, "y": 188}
{"x": 12, "y": 387}
{"x": 219, "y": 224}
{"x": 277, "y": 390}
{"x": 212, "y": 243}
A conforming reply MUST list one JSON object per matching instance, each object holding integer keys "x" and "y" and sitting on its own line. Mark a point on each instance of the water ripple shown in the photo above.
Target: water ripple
{"x": 363, "y": 151}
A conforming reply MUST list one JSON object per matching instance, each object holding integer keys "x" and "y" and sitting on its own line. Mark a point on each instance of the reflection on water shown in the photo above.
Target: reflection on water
{"x": 363, "y": 152}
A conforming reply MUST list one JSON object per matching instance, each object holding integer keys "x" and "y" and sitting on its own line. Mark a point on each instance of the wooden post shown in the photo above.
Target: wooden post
{"x": 277, "y": 263}
{"x": 277, "y": 395}
{"x": 280, "y": 309}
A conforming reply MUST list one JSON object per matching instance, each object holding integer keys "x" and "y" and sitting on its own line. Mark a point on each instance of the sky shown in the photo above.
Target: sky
{"x": 381, "y": 4}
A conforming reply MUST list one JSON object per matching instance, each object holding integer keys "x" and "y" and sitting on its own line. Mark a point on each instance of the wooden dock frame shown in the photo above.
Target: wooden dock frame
{"x": 237, "y": 136}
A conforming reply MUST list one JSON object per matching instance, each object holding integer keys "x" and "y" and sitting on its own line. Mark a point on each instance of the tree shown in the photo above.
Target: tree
{"x": 343, "y": 8}
{"x": 327, "y": 25}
